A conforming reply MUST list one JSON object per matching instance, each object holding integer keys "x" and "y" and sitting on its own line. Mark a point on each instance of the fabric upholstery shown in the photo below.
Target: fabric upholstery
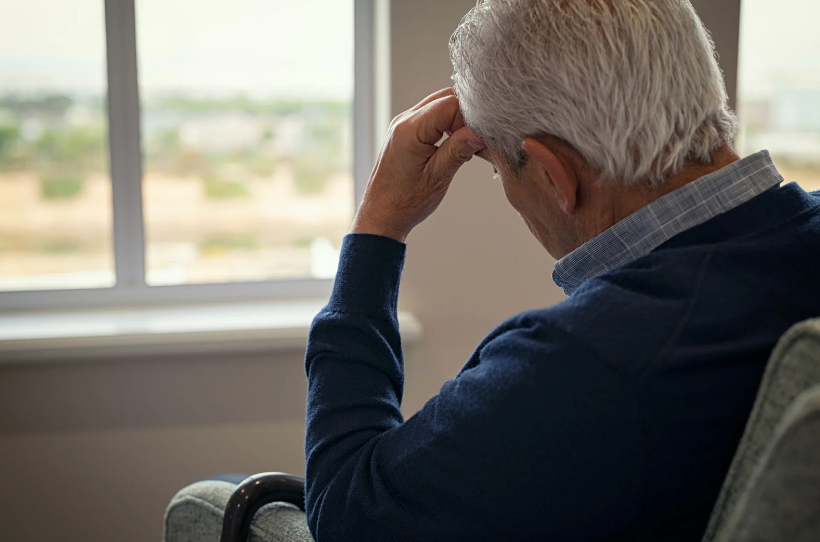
{"x": 195, "y": 515}
{"x": 794, "y": 367}
{"x": 783, "y": 499}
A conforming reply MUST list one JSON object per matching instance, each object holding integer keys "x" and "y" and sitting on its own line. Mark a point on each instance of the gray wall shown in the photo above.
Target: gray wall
{"x": 94, "y": 451}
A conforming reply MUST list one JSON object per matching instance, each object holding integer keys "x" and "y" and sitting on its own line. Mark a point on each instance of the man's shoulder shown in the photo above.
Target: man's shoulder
{"x": 622, "y": 318}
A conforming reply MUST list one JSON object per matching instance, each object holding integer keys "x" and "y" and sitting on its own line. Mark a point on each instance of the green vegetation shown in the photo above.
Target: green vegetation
{"x": 81, "y": 147}
{"x": 262, "y": 166}
{"x": 38, "y": 136}
{"x": 51, "y": 105}
{"x": 245, "y": 104}
{"x": 311, "y": 174}
{"x": 322, "y": 154}
{"x": 9, "y": 135}
{"x": 321, "y": 148}
{"x": 302, "y": 242}
{"x": 63, "y": 139}
{"x": 60, "y": 187}
{"x": 61, "y": 247}
{"x": 220, "y": 245}
{"x": 216, "y": 188}
{"x": 165, "y": 152}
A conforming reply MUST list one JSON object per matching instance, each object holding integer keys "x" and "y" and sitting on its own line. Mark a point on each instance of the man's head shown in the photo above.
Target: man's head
{"x": 610, "y": 98}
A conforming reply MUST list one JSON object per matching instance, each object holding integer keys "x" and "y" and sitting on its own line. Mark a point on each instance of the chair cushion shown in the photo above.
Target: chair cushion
{"x": 195, "y": 515}
{"x": 793, "y": 368}
{"x": 783, "y": 499}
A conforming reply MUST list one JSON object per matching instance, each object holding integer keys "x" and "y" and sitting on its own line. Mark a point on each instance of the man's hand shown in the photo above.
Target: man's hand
{"x": 412, "y": 175}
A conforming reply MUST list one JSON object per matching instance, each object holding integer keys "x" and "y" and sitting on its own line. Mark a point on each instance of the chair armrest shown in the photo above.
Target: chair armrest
{"x": 254, "y": 493}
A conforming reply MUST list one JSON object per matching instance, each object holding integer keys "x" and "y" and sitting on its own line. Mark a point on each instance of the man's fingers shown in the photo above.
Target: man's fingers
{"x": 458, "y": 123}
{"x": 454, "y": 153}
{"x": 443, "y": 93}
{"x": 435, "y": 119}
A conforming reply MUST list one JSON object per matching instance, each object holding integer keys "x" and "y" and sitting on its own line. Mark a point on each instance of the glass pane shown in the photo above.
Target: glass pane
{"x": 247, "y": 135}
{"x": 779, "y": 87}
{"x": 55, "y": 190}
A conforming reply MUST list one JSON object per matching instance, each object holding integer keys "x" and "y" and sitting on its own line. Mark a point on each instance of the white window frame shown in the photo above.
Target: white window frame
{"x": 126, "y": 178}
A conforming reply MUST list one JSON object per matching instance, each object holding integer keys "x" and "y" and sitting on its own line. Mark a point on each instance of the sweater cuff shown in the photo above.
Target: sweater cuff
{"x": 367, "y": 281}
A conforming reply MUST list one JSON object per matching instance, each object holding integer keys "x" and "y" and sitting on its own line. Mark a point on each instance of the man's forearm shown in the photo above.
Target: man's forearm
{"x": 354, "y": 363}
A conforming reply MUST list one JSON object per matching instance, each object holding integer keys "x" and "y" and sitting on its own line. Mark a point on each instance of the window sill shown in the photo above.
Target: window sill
{"x": 116, "y": 333}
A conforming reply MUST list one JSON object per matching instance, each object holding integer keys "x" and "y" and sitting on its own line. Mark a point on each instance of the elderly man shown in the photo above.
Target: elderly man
{"x": 613, "y": 415}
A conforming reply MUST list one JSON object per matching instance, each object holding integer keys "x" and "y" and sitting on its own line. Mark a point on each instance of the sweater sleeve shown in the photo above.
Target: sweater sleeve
{"x": 534, "y": 439}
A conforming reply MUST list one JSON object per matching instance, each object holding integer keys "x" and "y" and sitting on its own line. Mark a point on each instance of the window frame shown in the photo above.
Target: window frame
{"x": 125, "y": 166}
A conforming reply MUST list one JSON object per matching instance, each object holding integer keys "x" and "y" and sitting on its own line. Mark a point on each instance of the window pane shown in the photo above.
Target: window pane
{"x": 247, "y": 136}
{"x": 55, "y": 190}
{"x": 779, "y": 88}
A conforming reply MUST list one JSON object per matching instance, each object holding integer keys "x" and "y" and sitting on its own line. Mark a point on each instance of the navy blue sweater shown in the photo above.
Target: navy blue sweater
{"x": 613, "y": 415}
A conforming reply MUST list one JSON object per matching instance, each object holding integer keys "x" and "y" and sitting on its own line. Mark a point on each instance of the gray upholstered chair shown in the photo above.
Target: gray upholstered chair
{"x": 771, "y": 492}
{"x": 198, "y": 514}
{"x": 782, "y": 500}
{"x": 776, "y": 446}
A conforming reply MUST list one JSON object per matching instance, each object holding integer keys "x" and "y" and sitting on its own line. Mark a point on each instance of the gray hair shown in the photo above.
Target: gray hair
{"x": 633, "y": 86}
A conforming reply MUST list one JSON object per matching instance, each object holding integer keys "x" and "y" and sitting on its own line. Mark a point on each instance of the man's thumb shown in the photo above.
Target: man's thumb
{"x": 455, "y": 152}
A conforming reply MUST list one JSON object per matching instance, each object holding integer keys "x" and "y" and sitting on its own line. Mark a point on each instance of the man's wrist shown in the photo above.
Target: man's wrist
{"x": 367, "y": 281}
{"x": 376, "y": 227}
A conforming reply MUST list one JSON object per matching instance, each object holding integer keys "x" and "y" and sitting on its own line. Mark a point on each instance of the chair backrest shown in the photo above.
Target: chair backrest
{"x": 782, "y": 501}
{"x": 793, "y": 368}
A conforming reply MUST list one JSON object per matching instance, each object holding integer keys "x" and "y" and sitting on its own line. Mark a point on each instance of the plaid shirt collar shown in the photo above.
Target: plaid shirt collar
{"x": 645, "y": 230}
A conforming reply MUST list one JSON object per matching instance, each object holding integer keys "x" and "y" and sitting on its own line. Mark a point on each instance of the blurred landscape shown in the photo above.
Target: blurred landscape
{"x": 787, "y": 124}
{"x": 55, "y": 209}
{"x": 242, "y": 189}
{"x": 235, "y": 189}
{"x": 779, "y": 86}
{"x": 247, "y": 134}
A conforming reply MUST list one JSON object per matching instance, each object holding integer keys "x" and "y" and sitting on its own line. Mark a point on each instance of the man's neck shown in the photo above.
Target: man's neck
{"x": 626, "y": 201}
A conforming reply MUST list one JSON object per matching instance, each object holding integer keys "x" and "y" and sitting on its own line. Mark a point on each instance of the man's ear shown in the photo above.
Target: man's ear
{"x": 566, "y": 185}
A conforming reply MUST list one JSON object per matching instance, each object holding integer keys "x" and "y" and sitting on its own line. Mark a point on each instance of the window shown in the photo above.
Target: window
{"x": 155, "y": 151}
{"x": 55, "y": 189}
{"x": 247, "y": 146}
{"x": 779, "y": 86}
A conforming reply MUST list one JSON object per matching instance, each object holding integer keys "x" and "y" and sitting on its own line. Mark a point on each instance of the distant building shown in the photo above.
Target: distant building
{"x": 788, "y": 125}
{"x": 796, "y": 110}
{"x": 289, "y": 135}
{"x": 222, "y": 132}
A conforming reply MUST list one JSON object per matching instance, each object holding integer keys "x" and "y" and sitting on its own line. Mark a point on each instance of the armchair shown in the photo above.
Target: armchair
{"x": 254, "y": 493}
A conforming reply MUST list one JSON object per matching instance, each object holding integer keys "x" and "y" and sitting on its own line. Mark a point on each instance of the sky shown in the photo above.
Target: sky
{"x": 259, "y": 47}
{"x": 779, "y": 45}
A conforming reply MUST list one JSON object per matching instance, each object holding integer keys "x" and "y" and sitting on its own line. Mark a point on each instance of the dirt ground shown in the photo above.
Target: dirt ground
{"x": 266, "y": 235}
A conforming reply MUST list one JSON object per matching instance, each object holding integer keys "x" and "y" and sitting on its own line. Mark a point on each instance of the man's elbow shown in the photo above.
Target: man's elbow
{"x": 327, "y": 521}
